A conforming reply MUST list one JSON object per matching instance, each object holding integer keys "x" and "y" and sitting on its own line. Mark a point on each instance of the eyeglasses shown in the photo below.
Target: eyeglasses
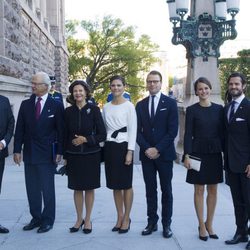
{"x": 37, "y": 83}
{"x": 153, "y": 81}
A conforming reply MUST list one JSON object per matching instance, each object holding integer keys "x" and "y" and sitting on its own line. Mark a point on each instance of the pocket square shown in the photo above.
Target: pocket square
{"x": 50, "y": 116}
{"x": 163, "y": 109}
{"x": 240, "y": 119}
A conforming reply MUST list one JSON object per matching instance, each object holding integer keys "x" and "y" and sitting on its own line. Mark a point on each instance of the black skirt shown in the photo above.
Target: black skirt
{"x": 211, "y": 171}
{"x": 118, "y": 175}
{"x": 83, "y": 171}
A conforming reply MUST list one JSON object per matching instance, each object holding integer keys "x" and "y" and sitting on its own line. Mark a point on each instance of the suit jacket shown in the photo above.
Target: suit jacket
{"x": 7, "y": 123}
{"x": 162, "y": 132}
{"x": 37, "y": 136}
{"x": 237, "y": 150}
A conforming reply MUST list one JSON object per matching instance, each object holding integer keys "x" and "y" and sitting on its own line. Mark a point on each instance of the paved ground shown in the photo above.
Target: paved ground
{"x": 14, "y": 214}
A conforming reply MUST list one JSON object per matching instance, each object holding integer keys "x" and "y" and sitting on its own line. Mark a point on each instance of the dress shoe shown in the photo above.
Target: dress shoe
{"x": 87, "y": 230}
{"x": 212, "y": 236}
{"x": 76, "y": 229}
{"x": 3, "y": 230}
{"x": 115, "y": 229}
{"x": 149, "y": 229}
{"x": 33, "y": 224}
{"x": 123, "y": 231}
{"x": 204, "y": 238}
{"x": 44, "y": 229}
{"x": 248, "y": 245}
{"x": 237, "y": 239}
{"x": 167, "y": 232}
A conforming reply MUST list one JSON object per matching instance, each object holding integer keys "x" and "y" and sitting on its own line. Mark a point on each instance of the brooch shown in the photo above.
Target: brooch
{"x": 88, "y": 110}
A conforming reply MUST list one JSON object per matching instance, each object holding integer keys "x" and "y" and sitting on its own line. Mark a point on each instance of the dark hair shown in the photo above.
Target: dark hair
{"x": 237, "y": 74}
{"x": 203, "y": 80}
{"x": 155, "y": 72}
{"x": 70, "y": 98}
{"x": 117, "y": 77}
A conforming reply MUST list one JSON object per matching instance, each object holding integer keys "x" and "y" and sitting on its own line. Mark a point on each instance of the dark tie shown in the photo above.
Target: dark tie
{"x": 38, "y": 107}
{"x": 152, "y": 113}
{"x": 231, "y": 115}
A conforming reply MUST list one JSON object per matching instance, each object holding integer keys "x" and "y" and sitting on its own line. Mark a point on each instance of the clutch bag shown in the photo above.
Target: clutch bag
{"x": 195, "y": 163}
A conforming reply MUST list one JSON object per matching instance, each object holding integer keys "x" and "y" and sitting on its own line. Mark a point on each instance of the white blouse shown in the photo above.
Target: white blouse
{"x": 119, "y": 116}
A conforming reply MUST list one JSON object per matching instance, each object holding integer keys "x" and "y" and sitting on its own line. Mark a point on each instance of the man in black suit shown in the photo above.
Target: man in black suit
{"x": 39, "y": 126}
{"x": 237, "y": 155}
{"x": 7, "y": 123}
{"x": 157, "y": 128}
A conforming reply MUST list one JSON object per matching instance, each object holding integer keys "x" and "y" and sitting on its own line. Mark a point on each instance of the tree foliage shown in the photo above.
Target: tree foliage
{"x": 239, "y": 64}
{"x": 109, "y": 49}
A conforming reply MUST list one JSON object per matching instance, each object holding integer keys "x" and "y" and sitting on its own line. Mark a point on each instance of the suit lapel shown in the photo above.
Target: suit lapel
{"x": 145, "y": 109}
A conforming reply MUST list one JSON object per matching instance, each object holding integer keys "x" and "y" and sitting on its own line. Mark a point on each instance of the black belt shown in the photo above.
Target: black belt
{"x": 115, "y": 133}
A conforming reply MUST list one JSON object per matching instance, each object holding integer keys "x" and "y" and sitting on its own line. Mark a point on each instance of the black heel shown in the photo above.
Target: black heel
{"x": 212, "y": 236}
{"x": 204, "y": 238}
{"x": 75, "y": 229}
{"x": 123, "y": 231}
{"x": 87, "y": 230}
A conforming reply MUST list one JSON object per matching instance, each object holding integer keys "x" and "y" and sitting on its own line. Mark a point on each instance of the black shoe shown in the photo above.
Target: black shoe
{"x": 76, "y": 229}
{"x": 33, "y": 224}
{"x": 237, "y": 239}
{"x": 167, "y": 232}
{"x": 123, "y": 231}
{"x": 44, "y": 229}
{"x": 87, "y": 230}
{"x": 248, "y": 245}
{"x": 115, "y": 229}
{"x": 149, "y": 229}
{"x": 212, "y": 236}
{"x": 3, "y": 230}
{"x": 204, "y": 238}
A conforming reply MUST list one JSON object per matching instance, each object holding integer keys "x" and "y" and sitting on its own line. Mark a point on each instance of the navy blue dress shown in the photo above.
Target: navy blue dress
{"x": 204, "y": 138}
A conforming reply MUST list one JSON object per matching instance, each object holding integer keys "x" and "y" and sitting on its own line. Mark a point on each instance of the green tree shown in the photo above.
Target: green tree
{"x": 109, "y": 49}
{"x": 229, "y": 65}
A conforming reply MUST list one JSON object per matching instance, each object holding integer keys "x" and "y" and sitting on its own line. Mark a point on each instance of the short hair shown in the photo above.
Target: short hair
{"x": 117, "y": 77}
{"x": 237, "y": 74}
{"x": 70, "y": 98}
{"x": 155, "y": 72}
{"x": 203, "y": 80}
{"x": 45, "y": 78}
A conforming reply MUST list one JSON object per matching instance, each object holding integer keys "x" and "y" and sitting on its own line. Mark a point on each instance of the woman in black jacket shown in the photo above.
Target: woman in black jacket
{"x": 83, "y": 133}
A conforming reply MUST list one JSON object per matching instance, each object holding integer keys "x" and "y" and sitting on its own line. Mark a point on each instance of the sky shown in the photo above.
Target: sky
{"x": 151, "y": 17}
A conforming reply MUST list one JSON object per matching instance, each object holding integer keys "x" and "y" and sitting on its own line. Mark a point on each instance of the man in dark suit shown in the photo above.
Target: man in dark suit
{"x": 157, "y": 128}
{"x": 237, "y": 155}
{"x": 39, "y": 125}
{"x": 7, "y": 123}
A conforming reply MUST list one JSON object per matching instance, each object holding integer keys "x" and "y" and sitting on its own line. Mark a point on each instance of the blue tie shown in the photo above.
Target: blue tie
{"x": 231, "y": 115}
{"x": 152, "y": 113}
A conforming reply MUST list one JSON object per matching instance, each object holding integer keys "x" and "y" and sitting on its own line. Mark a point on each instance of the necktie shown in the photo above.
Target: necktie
{"x": 152, "y": 113}
{"x": 231, "y": 111}
{"x": 38, "y": 107}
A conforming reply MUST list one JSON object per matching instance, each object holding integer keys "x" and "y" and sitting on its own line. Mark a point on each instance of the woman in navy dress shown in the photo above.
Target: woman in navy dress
{"x": 204, "y": 139}
{"x": 84, "y": 130}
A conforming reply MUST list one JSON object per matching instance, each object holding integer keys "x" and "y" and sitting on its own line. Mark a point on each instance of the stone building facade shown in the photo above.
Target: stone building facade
{"x": 32, "y": 39}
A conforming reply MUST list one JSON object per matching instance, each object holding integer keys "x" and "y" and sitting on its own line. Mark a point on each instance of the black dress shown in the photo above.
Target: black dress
{"x": 83, "y": 161}
{"x": 204, "y": 138}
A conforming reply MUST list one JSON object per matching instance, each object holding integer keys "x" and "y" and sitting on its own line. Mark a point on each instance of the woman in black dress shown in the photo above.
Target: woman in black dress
{"x": 84, "y": 130}
{"x": 204, "y": 139}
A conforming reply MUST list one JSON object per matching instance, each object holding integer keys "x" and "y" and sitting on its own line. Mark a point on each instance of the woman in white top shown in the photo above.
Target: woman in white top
{"x": 121, "y": 125}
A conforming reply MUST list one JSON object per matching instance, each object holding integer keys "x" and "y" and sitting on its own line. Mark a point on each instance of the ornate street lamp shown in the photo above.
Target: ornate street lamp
{"x": 202, "y": 36}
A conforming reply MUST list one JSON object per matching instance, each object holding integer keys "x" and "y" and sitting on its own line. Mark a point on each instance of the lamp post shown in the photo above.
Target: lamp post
{"x": 201, "y": 33}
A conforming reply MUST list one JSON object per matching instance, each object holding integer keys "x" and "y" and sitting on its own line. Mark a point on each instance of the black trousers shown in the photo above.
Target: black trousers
{"x": 2, "y": 163}
{"x": 40, "y": 187}
{"x": 165, "y": 171}
{"x": 240, "y": 190}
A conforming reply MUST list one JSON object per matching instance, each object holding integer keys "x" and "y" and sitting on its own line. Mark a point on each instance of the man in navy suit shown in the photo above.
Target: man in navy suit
{"x": 39, "y": 126}
{"x": 157, "y": 128}
{"x": 237, "y": 155}
{"x": 7, "y": 123}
